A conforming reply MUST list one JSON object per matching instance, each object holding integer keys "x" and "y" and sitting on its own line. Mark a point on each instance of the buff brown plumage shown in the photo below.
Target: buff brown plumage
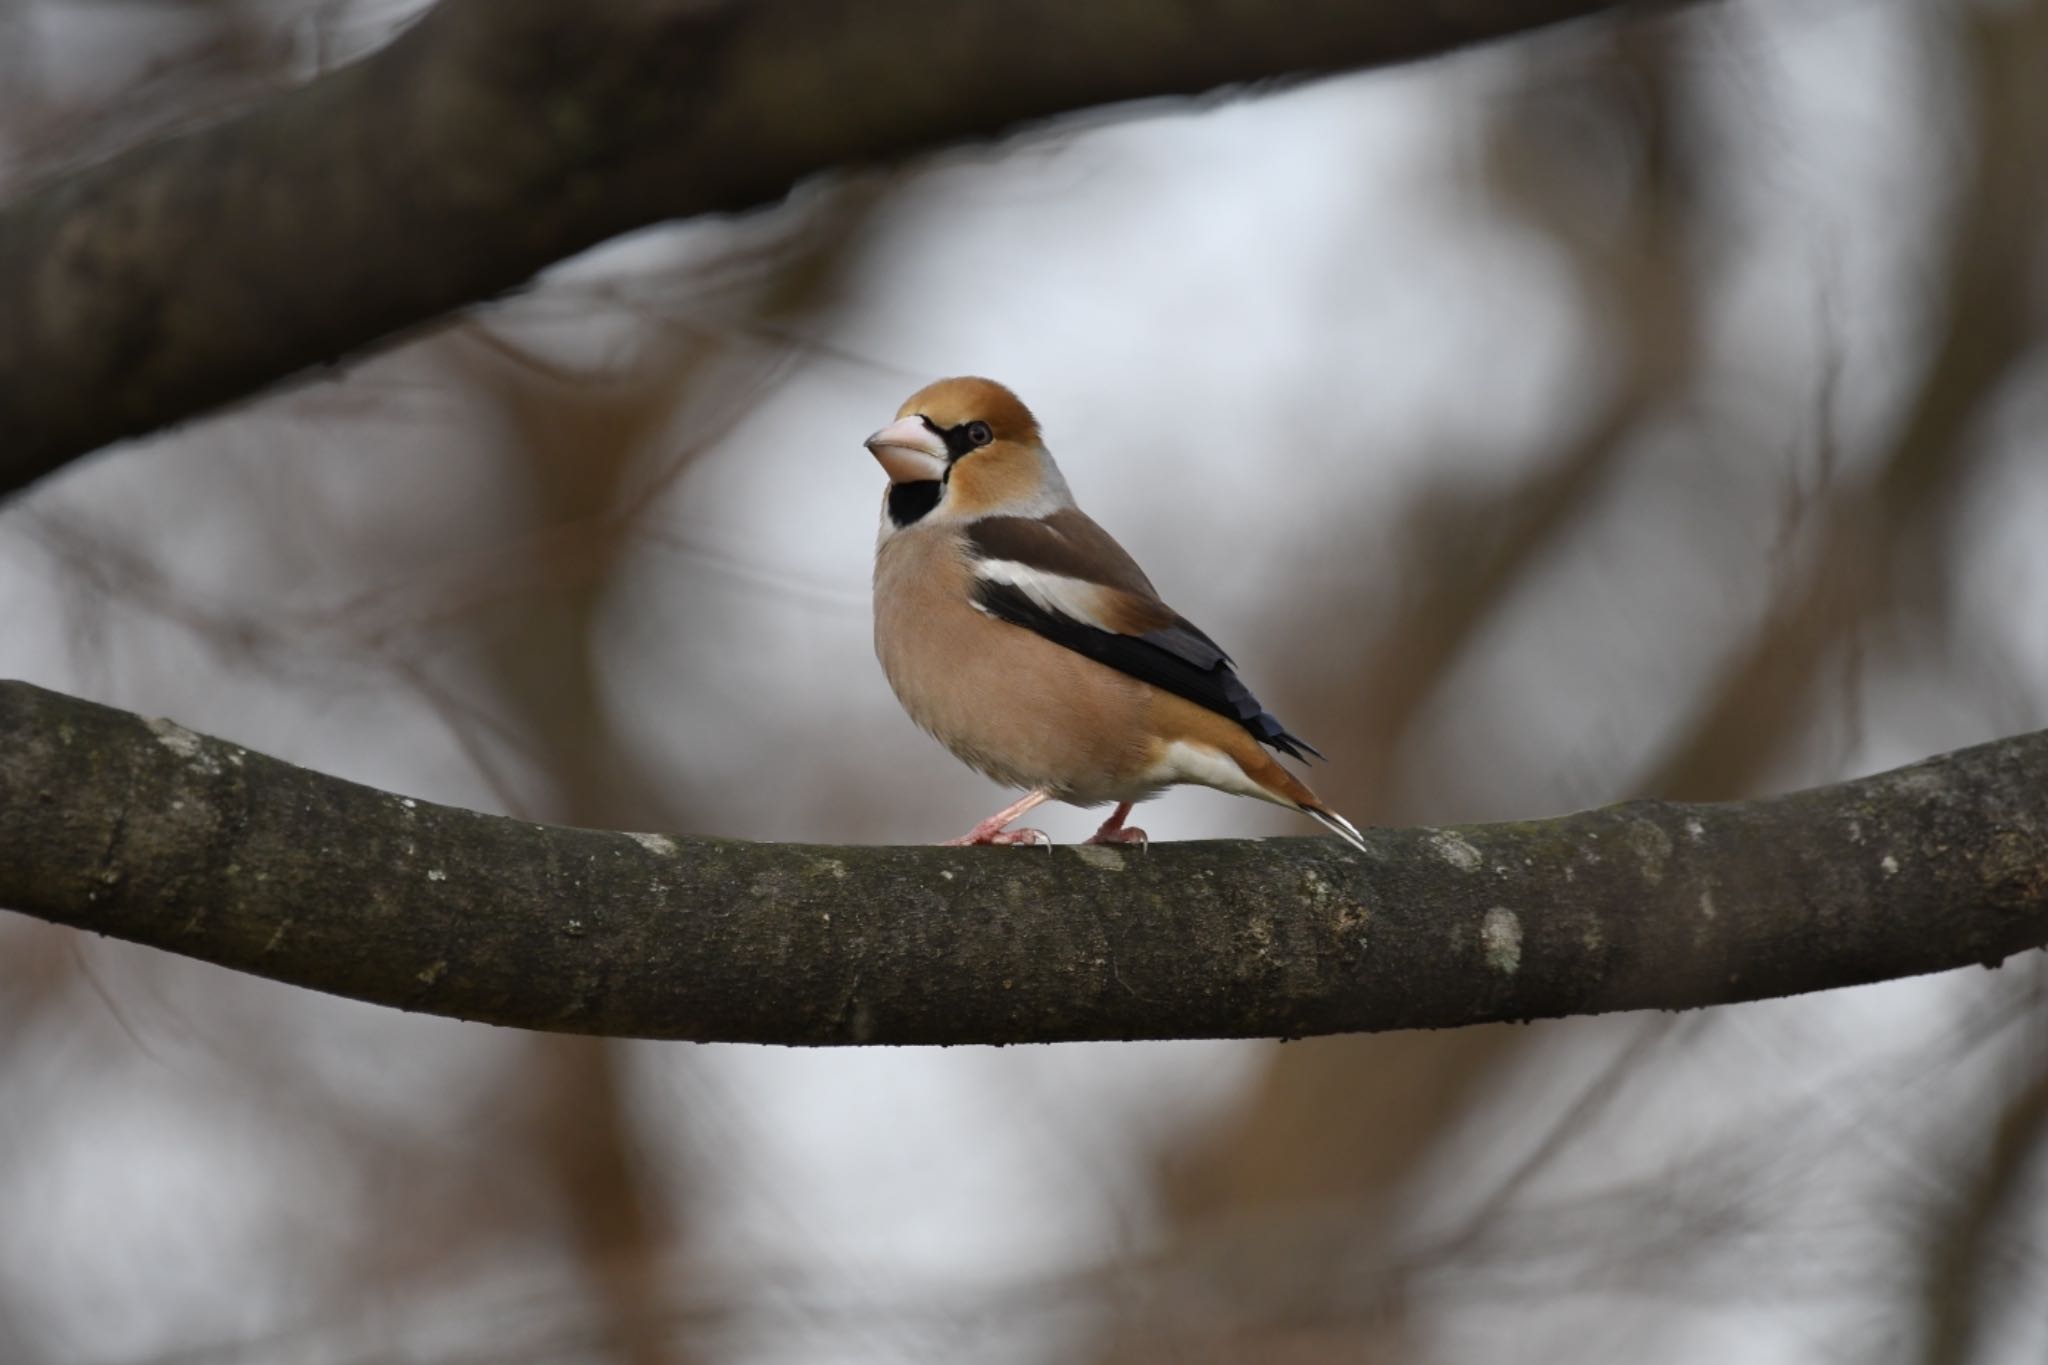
{"x": 1019, "y": 634}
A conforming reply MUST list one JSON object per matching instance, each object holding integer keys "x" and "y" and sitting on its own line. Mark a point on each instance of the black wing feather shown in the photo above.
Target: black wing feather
{"x": 1178, "y": 658}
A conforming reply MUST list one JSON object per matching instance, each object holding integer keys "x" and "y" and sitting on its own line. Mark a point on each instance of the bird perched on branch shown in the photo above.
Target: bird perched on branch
{"x": 1023, "y": 638}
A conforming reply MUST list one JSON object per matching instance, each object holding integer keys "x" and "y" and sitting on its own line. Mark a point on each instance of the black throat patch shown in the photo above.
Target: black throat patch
{"x": 909, "y": 502}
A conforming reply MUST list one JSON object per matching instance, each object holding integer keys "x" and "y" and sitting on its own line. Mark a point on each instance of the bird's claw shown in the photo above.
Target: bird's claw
{"x": 1126, "y": 835}
{"x": 1036, "y": 838}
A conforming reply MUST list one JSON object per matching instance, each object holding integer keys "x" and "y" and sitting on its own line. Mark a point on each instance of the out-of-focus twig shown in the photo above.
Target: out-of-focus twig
{"x": 1961, "y": 1252}
{"x": 1637, "y": 284}
{"x": 1880, "y": 540}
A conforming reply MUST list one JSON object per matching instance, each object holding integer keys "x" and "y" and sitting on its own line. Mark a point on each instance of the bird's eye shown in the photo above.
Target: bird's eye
{"x": 978, "y": 434}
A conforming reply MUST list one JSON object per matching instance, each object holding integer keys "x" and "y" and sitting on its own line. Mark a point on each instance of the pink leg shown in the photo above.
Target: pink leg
{"x": 991, "y": 831}
{"x": 1113, "y": 831}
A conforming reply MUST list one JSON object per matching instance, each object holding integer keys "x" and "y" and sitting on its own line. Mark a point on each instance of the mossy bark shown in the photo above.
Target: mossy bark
{"x": 145, "y": 831}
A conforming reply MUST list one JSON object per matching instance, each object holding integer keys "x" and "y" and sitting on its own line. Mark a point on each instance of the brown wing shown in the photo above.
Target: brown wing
{"x": 1067, "y": 543}
{"x": 1067, "y": 579}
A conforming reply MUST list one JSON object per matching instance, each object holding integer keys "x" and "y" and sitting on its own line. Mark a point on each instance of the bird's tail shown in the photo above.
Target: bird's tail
{"x": 1336, "y": 824}
{"x": 1274, "y": 783}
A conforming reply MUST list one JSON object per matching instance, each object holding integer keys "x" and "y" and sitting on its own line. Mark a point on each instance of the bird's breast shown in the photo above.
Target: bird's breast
{"x": 1007, "y": 702}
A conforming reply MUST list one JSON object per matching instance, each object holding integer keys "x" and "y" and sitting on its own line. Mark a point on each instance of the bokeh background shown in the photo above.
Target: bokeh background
{"x": 1648, "y": 408}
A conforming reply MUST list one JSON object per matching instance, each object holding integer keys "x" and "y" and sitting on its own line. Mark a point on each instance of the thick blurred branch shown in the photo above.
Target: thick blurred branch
{"x": 496, "y": 137}
{"x": 147, "y": 832}
{"x": 1878, "y": 547}
{"x": 1968, "y": 1290}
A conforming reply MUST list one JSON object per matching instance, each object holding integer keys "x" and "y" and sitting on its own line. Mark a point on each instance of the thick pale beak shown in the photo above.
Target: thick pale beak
{"x": 910, "y": 451}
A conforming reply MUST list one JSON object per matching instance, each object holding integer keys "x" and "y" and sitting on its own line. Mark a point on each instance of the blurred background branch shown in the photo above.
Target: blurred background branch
{"x": 496, "y": 137}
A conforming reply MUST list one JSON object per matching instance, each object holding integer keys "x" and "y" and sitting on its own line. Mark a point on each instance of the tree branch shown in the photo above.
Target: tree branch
{"x": 145, "y": 831}
{"x": 496, "y": 137}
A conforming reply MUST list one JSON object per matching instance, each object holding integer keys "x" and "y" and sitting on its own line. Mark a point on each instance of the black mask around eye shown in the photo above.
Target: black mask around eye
{"x": 960, "y": 438}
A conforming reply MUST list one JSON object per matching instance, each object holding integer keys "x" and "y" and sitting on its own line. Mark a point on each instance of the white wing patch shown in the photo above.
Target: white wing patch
{"x": 1074, "y": 598}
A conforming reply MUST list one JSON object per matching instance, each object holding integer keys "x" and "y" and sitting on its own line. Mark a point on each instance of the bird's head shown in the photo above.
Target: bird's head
{"x": 977, "y": 447}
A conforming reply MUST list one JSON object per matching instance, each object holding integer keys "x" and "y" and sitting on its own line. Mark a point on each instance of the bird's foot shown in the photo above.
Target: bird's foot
{"x": 991, "y": 831}
{"x": 985, "y": 833}
{"x": 1113, "y": 830}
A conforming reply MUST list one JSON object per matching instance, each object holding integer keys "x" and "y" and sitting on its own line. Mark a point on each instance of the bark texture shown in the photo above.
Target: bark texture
{"x": 496, "y": 137}
{"x": 145, "y": 831}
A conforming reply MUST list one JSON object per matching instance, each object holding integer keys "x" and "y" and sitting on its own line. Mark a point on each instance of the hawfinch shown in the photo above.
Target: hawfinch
{"x": 1024, "y": 639}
